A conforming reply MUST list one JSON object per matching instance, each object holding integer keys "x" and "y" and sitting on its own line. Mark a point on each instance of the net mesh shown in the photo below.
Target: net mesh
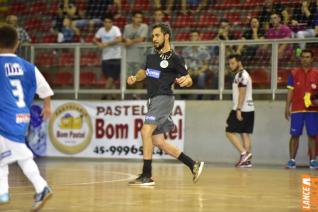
{"x": 43, "y": 20}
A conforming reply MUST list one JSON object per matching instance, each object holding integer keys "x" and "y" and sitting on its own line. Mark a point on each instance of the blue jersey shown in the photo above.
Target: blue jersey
{"x": 17, "y": 90}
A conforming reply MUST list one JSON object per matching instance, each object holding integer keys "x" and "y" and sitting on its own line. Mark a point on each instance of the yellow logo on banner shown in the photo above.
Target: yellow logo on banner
{"x": 70, "y": 128}
{"x": 69, "y": 122}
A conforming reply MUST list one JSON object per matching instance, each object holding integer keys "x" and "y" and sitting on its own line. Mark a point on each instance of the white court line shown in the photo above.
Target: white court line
{"x": 129, "y": 177}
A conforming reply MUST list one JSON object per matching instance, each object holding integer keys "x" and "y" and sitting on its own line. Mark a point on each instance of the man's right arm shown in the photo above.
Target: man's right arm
{"x": 45, "y": 92}
{"x": 140, "y": 75}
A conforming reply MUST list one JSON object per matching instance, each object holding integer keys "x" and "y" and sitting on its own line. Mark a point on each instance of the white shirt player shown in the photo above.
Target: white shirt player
{"x": 113, "y": 51}
{"x": 243, "y": 79}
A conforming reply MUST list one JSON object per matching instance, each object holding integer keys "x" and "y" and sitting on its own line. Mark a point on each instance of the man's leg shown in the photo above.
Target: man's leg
{"x": 235, "y": 140}
{"x": 146, "y": 134}
{"x": 246, "y": 142}
{"x": 312, "y": 132}
{"x": 293, "y": 147}
{"x": 4, "y": 184}
{"x": 145, "y": 178}
{"x": 195, "y": 167}
{"x": 313, "y": 164}
{"x": 31, "y": 171}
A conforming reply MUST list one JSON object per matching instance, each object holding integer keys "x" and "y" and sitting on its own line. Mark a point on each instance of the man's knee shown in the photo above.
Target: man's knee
{"x": 158, "y": 143}
{"x": 146, "y": 130}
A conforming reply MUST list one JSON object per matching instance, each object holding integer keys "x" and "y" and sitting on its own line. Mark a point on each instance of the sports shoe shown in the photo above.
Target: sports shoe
{"x": 247, "y": 164}
{"x": 4, "y": 198}
{"x": 243, "y": 158}
{"x": 41, "y": 198}
{"x": 313, "y": 164}
{"x": 291, "y": 164}
{"x": 197, "y": 170}
{"x": 142, "y": 181}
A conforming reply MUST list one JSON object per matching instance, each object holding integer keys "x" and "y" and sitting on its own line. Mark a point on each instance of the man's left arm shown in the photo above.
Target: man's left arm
{"x": 185, "y": 80}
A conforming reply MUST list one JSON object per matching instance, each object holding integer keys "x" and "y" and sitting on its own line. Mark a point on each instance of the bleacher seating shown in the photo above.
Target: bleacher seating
{"x": 63, "y": 79}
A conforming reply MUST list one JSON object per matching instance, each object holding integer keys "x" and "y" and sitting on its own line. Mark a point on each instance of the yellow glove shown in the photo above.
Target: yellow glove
{"x": 307, "y": 100}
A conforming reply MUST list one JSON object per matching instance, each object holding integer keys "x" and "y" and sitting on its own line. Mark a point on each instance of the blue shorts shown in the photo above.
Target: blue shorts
{"x": 299, "y": 119}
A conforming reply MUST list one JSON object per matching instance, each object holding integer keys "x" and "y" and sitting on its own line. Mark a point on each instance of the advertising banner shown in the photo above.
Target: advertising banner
{"x": 98, "y": 129}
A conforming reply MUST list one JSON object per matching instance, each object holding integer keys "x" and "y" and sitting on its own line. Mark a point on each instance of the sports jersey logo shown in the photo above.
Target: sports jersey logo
{"x": 153, "y": 73}
{"x": 313, "y": 86}
{"x": 70, "y": 128}
{"x": 22, "y": 118}
{"x": 164, "y": 64}
{"x": 150, "y": 118}
{"x": 13, "y": 69}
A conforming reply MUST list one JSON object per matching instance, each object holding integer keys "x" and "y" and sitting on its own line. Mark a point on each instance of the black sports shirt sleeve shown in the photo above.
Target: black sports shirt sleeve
{"x": 180, "y": 66}
{"x": 144, "y": 64}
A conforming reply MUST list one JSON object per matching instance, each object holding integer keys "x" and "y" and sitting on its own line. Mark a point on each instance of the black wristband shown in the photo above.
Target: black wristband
{"x": 238, "y": 109}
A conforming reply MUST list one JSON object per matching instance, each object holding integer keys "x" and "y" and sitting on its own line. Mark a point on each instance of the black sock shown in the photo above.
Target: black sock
{"x": 146, "y": 170}
{"x": 186, "y": 160}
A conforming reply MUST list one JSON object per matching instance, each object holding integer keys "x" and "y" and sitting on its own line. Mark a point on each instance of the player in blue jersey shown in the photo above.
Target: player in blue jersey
{"x": 20, "y": 81}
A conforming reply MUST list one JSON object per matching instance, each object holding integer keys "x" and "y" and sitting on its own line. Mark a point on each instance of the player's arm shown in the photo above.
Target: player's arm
{"x": 45, "y": 92}
{"x": 140, "y": 76}
{"x": 289, "y": 97}
{"x": 184, "y": 81}
{"x": 241, "y": 99}
{"x": 111, "y": 42}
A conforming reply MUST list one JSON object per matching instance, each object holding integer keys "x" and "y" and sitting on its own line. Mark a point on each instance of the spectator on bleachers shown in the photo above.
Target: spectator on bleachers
{"x": 66, "y": 9}
{"x": 303, "y": 20}
{"x": 197, "y": 60}
{"x": 108, "y": 38}
{"x": 158, "y": 17}
{"x": 224, "y": 33}
{"x": 22, "y": 34}
{"x": 166, "y": 5}
{"x": 254, "y": 32}
{"x": 280, "y": 31}
{"x": 134, "y": 33}
{"x": 94, "y": 14}
{"x": 66, "y": 34}
{"x": 193, "y": 6}
{"x": 268, "y": 9}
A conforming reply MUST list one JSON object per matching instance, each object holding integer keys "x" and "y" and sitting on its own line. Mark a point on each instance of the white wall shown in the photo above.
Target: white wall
{"x": 205, "y": 133}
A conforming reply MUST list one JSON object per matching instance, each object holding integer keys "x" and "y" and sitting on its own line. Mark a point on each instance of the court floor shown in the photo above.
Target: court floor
{"x": 101, "y": 185}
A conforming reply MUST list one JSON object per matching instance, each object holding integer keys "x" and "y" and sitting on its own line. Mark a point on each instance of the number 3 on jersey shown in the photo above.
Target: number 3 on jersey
{"x": 18, "y": 92}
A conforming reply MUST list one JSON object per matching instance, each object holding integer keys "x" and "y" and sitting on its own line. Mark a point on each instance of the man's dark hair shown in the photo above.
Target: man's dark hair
{"x": 8, "y": 36}
{"x": 158, "y": 9}
{"x": 137, "y": 12}
{"x": 108, "y": 16}
{"x": 236, "y": 56}
{"x": 224, "y": 20}
{"x": 165, "y": 29}
{"x": 307, "y": 51}
{"x": 194, "y": 31}
{"x": 276, "y": 13}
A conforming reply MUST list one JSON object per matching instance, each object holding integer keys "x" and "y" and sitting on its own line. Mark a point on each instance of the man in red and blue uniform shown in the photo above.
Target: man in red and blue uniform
{"x": 300, "y": 81}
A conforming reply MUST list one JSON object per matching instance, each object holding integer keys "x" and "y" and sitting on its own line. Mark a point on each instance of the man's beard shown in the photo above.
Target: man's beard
{"x": 237, "y": 69}
{"x": 160, "y": 46}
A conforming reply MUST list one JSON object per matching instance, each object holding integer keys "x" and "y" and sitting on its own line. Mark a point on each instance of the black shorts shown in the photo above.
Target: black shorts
{"x": 244, "y": 126}
{"x": 111, "y": 68}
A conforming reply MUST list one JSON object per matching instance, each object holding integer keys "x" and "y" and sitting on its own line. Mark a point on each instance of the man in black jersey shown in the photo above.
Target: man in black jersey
{"x": 162, "y": 69}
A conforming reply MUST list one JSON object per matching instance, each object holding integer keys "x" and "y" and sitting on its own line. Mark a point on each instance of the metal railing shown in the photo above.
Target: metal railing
{"x": 220, "y": 91}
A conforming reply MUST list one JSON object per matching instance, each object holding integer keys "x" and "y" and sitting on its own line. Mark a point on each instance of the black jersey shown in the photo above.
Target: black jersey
{"x": 162, "y": 71}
